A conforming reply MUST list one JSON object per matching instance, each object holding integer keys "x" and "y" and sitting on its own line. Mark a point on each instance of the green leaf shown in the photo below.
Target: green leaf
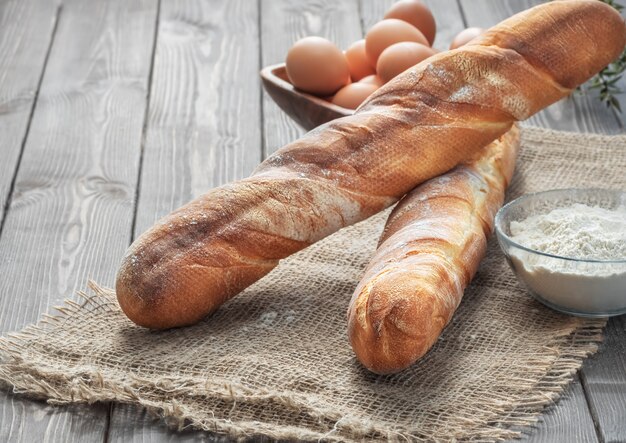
{"x": 615, "y": 103}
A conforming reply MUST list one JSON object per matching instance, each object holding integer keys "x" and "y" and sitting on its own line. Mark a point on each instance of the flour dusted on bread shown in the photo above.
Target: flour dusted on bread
{"x": 410, "y": 130}
{"x": 429, "y": 251}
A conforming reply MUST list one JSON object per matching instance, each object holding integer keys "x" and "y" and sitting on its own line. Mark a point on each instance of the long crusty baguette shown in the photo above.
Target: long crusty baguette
{"x": 420, "y": 125}
{"x": 428, "y": 253}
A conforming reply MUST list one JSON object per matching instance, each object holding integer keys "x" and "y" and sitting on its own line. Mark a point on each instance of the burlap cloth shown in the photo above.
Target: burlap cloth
{"x": 276, "y": 360}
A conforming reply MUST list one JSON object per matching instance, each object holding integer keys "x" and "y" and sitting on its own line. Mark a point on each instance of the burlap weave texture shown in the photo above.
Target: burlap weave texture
{"x": 276, "y": 360}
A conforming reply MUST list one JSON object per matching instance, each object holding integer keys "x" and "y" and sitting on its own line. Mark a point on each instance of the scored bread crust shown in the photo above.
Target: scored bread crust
{"x": 428, "y": 253}
{"x": 418, "y": 126}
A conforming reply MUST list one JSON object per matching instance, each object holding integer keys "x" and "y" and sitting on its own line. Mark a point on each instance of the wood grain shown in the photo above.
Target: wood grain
{"x": 203, "y": 130}
{"x": 604, "y": 380}
{"x": 580, "y": 112}
{"x": 71, "y": 209}
{"x": 203, "y": 126}
{"x": 23, "y": 420}
{"x": 133, "y": 424}
{"x": 26, "y": 31}
{"x": 567, "y": 421}
{"x": 283, "y": 22}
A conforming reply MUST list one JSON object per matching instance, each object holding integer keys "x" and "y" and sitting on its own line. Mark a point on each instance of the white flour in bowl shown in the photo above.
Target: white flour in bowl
{"x": 581, "y": 232}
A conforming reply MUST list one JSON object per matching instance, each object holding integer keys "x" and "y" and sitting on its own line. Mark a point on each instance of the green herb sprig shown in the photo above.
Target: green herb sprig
{"x": 606, "y": 80}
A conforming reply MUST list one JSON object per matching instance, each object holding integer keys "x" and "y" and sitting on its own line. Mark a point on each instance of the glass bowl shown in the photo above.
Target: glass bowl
{"x": 588, "y": 288}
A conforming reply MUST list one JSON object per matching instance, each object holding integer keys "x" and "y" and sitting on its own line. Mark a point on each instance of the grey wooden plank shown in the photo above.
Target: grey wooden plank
{"x": 71, "y": 208}
{"x": 581, "y": 113}
{"x": 203, "y": 126}
{"x": 26, "y": 33}
{"x": 24, "y": 420}
{"x": 26, "y": 30}
{"x": 133, "y": 424}
{"x": 567, "y": 421}
{"x": 70, "y": 214}
{"x": 72, "y": 205}
{"x": 446, "y": 12}
{"x": 283, "y": 22}
{"x": 604, "y": 380}
{"x": 203, "y": 130}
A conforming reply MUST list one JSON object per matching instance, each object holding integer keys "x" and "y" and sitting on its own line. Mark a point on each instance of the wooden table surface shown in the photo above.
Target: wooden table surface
{"x": 113, "y": 113}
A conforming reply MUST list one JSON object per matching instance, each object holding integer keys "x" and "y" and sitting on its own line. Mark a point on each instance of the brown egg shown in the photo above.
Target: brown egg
{"x": 387, "y": 32}
{"x": 357, "y": 61}
{"x": 372, "y": 80}
{"x": 317, "y": 66}
{"x": 399, "y": 57}
{"x": 353, "y": 95}
{"x": 465, "y": 36}
{"x": 416, "y": 13}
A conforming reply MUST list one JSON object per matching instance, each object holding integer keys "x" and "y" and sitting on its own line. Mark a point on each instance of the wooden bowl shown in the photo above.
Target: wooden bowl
{"x": 307, "y": 110}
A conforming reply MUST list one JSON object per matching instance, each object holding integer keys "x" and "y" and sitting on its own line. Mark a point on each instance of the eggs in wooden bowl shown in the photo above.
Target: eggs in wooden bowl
{"x": 319, "y": 82}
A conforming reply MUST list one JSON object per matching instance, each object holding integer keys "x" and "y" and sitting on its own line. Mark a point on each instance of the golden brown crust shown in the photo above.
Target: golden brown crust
{"x": 418, "y": 126}
{"x": 545, "y": 47}
{"x": 429, "y": 251}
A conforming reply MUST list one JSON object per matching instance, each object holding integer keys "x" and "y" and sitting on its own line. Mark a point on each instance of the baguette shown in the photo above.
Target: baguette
{"x": 428, "y": 253}
{"x": 418, "y": 126}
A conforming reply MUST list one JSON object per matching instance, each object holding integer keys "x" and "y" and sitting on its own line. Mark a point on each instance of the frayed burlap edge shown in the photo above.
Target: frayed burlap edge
{"x": 30, "y": 377}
